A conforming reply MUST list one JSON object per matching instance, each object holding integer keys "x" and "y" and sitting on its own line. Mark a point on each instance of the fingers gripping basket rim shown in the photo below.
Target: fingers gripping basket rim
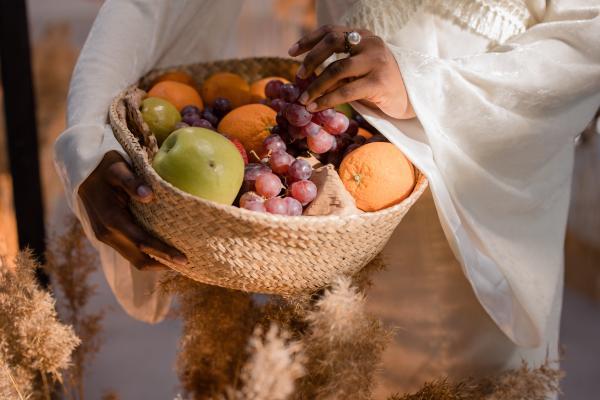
{"x": 245, "y": 250}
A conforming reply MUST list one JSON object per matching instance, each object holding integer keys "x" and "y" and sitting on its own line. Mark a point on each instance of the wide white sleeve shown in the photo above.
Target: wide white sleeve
{"x": 498, "y": 151}
{"x": 129, "y": 38}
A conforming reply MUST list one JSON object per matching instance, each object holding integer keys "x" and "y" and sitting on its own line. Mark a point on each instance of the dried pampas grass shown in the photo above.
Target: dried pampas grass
{"x": 35, "y": 347}
{"x": 343, "y": 346}
{"x": 71, "y": 260}
{"x": 320, "y": 347}
{"x": 363, "y": 278}
{"x": 274, "y": 365}
{"x": 324, "y": 346}
{"x": 15, "y": 382}
{"x": 522, "y": 383}
{"x": 217, "y": 323}
{"x": 533, "y": 384}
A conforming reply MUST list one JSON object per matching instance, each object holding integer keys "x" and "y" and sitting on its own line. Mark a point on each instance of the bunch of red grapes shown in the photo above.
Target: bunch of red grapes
{"x": 280, "y": 182}
{"x": 280, "y": 174}
{"x": 328, "y": 135}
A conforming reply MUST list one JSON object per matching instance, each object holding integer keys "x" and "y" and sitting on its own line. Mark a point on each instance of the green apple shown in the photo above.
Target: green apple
{"x": 161, "y": 117}
{"x": 345, "y": 109}
{"x": 201, "y": 162}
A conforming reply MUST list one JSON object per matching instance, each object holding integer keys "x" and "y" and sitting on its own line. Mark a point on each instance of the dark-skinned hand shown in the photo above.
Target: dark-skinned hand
{"x": 370, "y": 74}
{"x": 105, "y": 195}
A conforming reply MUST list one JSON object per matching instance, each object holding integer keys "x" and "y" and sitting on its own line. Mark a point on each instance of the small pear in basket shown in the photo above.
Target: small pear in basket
{"x": 332, "y": 197}
{"x": 161, "y": 116}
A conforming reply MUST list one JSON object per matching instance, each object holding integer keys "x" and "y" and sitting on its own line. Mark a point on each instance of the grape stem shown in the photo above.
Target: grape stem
{"x": 253, "y": 153}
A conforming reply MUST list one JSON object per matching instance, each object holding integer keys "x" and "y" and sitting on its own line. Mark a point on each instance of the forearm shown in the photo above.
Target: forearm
{"x": 112, "y": 58}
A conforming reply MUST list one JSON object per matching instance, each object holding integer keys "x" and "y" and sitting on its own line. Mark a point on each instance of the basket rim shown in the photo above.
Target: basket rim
{"x": 243, "y": 214}
{"x": 176, "y": 67}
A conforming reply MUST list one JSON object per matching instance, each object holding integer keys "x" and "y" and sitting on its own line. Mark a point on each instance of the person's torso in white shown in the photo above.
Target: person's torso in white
{"x": 451, "y": 330}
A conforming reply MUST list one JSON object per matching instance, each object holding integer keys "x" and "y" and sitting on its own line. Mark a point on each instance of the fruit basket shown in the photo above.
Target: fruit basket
{"x": 245, "y": 250}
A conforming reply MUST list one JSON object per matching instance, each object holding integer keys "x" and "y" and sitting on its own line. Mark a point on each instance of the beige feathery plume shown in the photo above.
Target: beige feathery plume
{"x": 523, "y": 383}
{"x": 275, "y": 363}
{"x": 34, "y": 345}
{"x": 71, "y": 260}
{"x": 343, "y": 345}
{"x": 363, "y": 279}
{"x": 15, "y": 383}
{"x": 217, "y": 323}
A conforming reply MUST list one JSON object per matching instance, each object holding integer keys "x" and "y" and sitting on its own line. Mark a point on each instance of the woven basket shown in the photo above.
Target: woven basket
{"x": 246, "y": 250}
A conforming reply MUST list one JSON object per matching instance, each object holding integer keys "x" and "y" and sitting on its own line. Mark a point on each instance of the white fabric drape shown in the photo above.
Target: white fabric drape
{"x": 495, "y": 136}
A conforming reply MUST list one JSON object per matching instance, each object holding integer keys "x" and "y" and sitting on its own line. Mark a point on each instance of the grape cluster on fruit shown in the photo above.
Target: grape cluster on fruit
{"x": 280, "y": 183}
{"x": 329, "y": 135}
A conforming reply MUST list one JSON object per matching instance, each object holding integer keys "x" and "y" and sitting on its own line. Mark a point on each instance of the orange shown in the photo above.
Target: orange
{"x": 176, "y": 76}
{"x": 364, "y": 133}
{"x": 377, "y": 175}
{"x": 230, "y": 86}
{"x": 177, "y": 93}
{"x": 257, "y": 89}
{"x": 250, "y": 124}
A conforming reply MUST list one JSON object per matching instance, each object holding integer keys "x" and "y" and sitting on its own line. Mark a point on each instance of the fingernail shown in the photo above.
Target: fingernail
{"x": 293, "y": 49}
{"x": 301, "y": 71}
{"x": 311, "y": 107}
{"x": 181, "y": 259}
{"x": 304, "y": 98}
{"x": 144, "y": 191}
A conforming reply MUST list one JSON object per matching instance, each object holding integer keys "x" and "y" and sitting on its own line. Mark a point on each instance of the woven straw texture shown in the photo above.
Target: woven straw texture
{"x": 246, "y": 250}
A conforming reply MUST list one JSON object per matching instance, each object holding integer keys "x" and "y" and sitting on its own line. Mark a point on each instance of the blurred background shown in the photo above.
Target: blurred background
{"x": 137, "y": 365}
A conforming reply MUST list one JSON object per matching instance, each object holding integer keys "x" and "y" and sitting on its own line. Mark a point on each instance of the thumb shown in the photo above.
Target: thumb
{"x": 121, "y": 175}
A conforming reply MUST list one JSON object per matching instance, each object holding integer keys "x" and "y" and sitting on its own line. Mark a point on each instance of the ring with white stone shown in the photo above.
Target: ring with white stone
{"x": 351, "y": 39}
